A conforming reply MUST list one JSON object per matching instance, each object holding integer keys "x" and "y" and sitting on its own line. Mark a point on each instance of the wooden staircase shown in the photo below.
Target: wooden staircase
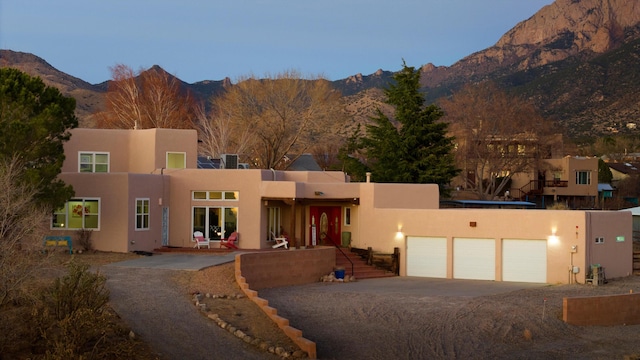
{"x": 360, "y": 268}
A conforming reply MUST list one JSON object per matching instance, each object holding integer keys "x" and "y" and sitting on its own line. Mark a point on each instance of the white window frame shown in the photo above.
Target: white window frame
{"x": 67, "y": 211}
{"x": 347, "y": 216}
{"x": 184, "y": 158}
{"x": 207, "y": 226}
{"x": 579, "y": 178}
{"x": 93, "y": 162}
{"x": 141, "y": 216}
{"x": 225, "y": 195}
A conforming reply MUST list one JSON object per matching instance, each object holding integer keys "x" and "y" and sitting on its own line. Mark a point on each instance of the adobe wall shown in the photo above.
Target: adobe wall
{"x": 608, "y": 310}
{"x": 283, "y": 268}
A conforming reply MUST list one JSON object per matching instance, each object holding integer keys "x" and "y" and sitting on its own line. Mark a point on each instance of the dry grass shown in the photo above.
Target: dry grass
{"x": 27, "y": 334}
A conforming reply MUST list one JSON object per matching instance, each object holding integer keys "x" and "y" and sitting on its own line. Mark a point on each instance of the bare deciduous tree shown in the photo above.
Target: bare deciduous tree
{"x": 21, "y": 230}
{"x": 497, "y": 136}
{"x": 270, "y": 122}
{"x": 150, "y": 99}
{"x": 219, "y": 134}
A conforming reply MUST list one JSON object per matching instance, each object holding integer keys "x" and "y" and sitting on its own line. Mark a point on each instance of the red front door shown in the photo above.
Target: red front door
{"x": 325, "y": 225}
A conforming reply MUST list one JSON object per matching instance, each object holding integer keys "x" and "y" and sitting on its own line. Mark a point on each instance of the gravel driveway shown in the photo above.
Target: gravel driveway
{"x": 159, "y": 313}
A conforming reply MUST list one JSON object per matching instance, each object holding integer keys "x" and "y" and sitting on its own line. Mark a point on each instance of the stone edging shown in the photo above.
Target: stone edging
{"x": 308, "y": 346}
{"x": 262, "y": 344}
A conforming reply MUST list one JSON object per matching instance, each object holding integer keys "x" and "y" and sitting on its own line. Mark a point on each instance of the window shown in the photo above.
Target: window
{"x": 583, "y": 177}
{"x": 78, "y": 214}
{"x": 347, "y": 216}
{"x": 93, "y": 162}
{"x": 216, "y": 195}
{"x": 600, "y": 240}
{"x": 215, "y": 222}
{"x": 176, "y": 160}
{"x": 142, "y": 214}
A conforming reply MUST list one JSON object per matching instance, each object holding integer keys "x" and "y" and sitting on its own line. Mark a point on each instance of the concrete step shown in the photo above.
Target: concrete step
{"x": 360, "y": 268}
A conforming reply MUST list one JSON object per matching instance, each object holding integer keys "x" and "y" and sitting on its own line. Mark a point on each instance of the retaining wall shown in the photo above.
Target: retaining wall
{"x": 609, "y": 310}
{"x": 263, "y": 270}
{"x": 283, "y": 268}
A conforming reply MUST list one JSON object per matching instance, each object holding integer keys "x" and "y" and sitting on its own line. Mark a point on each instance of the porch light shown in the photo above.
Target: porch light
{"x": 399, "y": 234}
{"x": 553, "y": 238}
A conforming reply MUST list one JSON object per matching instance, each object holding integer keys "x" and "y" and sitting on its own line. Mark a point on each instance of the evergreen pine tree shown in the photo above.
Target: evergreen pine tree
{"x": 417, "y": 148}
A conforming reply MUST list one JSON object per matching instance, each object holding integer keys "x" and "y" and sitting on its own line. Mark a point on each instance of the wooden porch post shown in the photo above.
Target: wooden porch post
{"x": 293, "y": 225}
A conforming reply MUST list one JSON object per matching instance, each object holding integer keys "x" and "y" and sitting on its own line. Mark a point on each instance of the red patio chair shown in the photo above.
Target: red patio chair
{"x": 230, "y": 242}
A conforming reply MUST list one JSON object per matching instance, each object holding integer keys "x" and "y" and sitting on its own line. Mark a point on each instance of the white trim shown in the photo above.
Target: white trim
{"x": 166, "y": 160}
{"x": 223, "y": 195}
{"x": 148, "y": 214}
{"x": 68, "y": 214}
{"x": 93, "y": 161}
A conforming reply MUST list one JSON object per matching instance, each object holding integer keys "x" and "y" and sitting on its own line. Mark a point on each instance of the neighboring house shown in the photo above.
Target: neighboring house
{"x": 621, "y": 171}
{"x": 143, "y": 189}
{"x": 570, "y": 180}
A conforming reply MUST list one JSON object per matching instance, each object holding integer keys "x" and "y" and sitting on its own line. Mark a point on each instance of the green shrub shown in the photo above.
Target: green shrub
{"x": 80, "y": 289}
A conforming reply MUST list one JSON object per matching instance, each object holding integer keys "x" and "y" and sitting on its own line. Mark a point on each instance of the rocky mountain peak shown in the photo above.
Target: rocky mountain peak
{"x": 560, "y": 30}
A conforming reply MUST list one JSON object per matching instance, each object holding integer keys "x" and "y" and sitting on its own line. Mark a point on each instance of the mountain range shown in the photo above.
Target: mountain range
{"x": 578, "y": 61}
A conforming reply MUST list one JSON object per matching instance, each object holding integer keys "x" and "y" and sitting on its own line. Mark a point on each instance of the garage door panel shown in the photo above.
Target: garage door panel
{"x": 474, "y": 259}
{"x": 524, "y": 260}
{"x": 427, "y": 256}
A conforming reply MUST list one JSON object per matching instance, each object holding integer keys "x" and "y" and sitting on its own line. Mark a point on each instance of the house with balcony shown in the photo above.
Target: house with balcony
{"x": 571, "y": 180}
{"x": 143, "y": 190}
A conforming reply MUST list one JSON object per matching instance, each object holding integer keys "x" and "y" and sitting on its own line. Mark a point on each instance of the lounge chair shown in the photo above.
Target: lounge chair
{"x": 200, "y": 240}
{"x": 281, "y": 241}
{"x": 230, "y": 242}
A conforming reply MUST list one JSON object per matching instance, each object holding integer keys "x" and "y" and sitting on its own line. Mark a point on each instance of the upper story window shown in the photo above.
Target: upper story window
{"x": 216, "y": 195}
{"x": 176, "y": 160}
{"x": 93, "y": 162}
{"x": 583, "y": 177}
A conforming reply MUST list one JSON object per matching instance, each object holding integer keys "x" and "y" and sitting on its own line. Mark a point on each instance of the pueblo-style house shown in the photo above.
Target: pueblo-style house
{"x": 140, "y": 190}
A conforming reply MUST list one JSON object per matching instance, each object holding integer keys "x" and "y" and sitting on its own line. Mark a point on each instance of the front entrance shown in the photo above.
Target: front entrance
{"x": 325, "y": 225}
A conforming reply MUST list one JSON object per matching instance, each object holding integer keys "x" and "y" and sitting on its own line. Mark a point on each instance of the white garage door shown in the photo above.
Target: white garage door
{"x": 427, "y": 256}
{"x": 524, "y": 260}
{"x": 474, "y": 259}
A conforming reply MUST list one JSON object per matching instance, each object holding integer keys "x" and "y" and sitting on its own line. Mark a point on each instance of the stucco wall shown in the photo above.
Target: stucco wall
{"x": 283, "y": 268}
{"x": 115, "y": 142}
{"x": 615, "y": 254}
{"x": 250, "y": 222}
{"x": 383, "y": 225}
{"x": 117, "y": 209}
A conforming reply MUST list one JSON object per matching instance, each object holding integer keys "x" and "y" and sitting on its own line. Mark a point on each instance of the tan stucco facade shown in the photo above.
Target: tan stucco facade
{"x": 320, "y": 207}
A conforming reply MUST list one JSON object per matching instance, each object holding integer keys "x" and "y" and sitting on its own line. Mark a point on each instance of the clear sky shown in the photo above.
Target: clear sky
{"x": 212, "y": 39}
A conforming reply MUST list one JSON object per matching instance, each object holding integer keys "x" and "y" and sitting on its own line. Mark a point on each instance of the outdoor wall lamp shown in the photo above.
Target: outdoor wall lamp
{"x": 553, "y": 238}
{"x": 399, "y": 234}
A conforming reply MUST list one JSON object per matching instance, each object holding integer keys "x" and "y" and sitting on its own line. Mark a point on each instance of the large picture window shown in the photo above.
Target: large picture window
{"x": 93, "y": 162}
{"x": 215, "y": 222}
{"x": 78, "y": 214}
{"x": 142, "y": 214}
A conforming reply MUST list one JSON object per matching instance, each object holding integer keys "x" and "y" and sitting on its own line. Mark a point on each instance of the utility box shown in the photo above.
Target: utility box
{"x": 346, "y": 239}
